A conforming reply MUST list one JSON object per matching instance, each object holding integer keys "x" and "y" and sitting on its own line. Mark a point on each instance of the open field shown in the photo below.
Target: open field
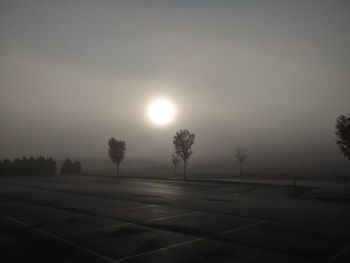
{"x": 108, "y": 219}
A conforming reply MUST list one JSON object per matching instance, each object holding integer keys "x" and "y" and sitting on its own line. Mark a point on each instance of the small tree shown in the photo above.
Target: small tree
{"x": 116, "y": 151}
{"x": 241, "y": 155}
{"x": 183, "y": 141}
{"x": 76, "y": 166}
{"x": 175, "y": 160}
{"x": 5, "y": 166}
{"x": 66, "y": 167}
{"x": 342, "y": 133}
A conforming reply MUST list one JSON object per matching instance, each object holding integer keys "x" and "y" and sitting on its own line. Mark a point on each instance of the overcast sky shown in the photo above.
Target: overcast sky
{"x": 271, "y": 76}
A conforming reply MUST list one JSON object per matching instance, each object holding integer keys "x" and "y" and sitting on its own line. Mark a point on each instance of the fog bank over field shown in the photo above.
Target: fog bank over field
{"x": 271, "y": 77}
{"x": 143, "y": 167}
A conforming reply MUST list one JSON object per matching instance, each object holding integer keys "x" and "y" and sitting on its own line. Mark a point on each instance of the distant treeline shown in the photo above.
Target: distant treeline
{"x": 69, "y": 167}
{"x": 28, "y": 166}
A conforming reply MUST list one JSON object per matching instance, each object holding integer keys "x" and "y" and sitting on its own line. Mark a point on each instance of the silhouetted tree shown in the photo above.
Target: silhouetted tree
{"x": 68, "y": 167}
{"x": 116, "y": 151}
{"x": 24, "y": 166}
{"x": 31, "y": 166}
{"x": 241, "y": 155}
{"x": 15, "y": 166}
{"x": 41, "y": 163}
{"x": 342, "y": 133}
{"x": 5, "y": 165}
{"x": 50, "y": 165}
{"x": 183, "y": 141}
{"x": 175, "y": 160}
{"x": 77, "y": 167}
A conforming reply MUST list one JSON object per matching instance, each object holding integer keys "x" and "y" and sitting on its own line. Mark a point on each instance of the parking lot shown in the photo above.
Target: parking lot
{"x": 101, "y": 219}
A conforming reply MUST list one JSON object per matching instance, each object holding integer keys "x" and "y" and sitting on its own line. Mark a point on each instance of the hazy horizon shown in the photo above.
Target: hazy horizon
{"x": 271, "y": 77}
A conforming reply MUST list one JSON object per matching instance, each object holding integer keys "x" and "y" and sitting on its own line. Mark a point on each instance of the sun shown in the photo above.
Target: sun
{"x": 161, "y": 111}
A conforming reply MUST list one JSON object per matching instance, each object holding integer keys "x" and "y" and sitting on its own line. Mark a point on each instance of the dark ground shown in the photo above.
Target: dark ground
{"x": 106, "y": 219}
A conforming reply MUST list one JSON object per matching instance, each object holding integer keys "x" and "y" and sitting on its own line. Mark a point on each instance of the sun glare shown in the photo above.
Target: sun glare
{"x": 161, "y": 111}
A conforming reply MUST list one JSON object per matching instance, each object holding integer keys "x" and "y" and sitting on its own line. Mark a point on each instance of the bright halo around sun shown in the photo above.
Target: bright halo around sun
{"x": 161, "y": 111}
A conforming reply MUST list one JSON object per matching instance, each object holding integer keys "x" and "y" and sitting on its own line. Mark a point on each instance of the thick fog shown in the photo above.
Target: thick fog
{"x": 270, "y": 76}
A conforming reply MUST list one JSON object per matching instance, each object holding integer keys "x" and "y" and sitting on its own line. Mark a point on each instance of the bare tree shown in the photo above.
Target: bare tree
{"x": 183, "y": 141}
{"x": 175, "y": 160}
{"x": 241, "y": 155}
{"x": 116, "y": 151}
{"x": 342, "y": 132}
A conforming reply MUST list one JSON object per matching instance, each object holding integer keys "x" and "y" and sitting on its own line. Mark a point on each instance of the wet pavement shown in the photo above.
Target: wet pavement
{"x": 106, "y": 219}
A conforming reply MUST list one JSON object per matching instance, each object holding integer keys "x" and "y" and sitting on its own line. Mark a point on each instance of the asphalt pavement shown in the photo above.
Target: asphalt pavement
{"x": 108, "y": 219}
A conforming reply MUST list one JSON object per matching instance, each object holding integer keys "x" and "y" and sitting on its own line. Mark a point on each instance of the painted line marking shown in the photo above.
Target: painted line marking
{"x": 128, "y": 200}
{"x": 111, "y": 226}
{"x": 129, "y": 223}
{"x": 174, "y": 216}
{"x": 30, "y": 212}
{"x": 95, "y": 230}
{"x": 190, "y": 241}
{"x": 130, "y": 208}
{"x": 339, "y": 254}
{"x": 52, "y": 236}
{"x": 53, "y": 218}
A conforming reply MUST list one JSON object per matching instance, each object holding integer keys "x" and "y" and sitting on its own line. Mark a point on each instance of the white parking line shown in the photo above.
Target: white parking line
{"x": 127, "y": 224}
{"x": 129, "y": 208}
{"x": 53, "y": 218}
{"x": 190, "y": 241}
{"x": 122, "y": 225}
{"x": 170, "y": 217}
{"x": 62, "y": 240}
{"x": 95, "y": 229}
{"x": 34, "y": 210}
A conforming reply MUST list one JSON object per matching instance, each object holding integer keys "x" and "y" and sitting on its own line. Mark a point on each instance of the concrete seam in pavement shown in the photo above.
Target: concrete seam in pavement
{"x": 52, "y": 236}
{"x": 190, "y": 241}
